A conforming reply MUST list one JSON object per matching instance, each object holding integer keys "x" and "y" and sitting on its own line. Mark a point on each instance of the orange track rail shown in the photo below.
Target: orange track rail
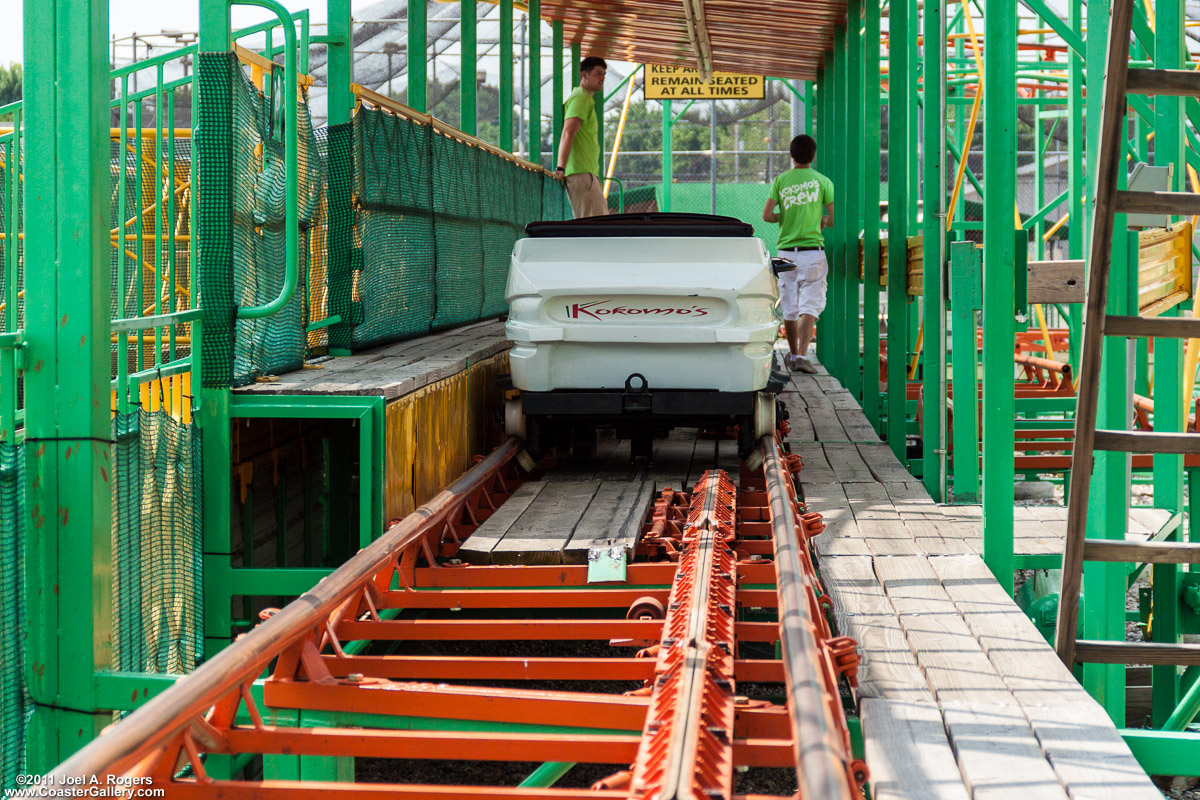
{"x": 694, "y": 730}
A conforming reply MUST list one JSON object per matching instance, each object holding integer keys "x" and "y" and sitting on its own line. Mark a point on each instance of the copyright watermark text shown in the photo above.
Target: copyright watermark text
{"x": 114, "y": 786}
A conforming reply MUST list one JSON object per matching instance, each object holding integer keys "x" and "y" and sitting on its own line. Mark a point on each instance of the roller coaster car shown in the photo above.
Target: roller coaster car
{"x": 642, "y": 322}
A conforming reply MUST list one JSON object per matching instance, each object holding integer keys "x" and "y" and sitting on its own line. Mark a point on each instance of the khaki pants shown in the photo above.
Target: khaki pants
{"x": 586, "y": 194}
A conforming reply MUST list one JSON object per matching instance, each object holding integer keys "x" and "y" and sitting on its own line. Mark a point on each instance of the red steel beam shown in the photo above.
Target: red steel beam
{"x": 527, "y": 669}
{"x": 455, "y": 746}
{"x": 445, "y": 701}
{"x": 534, "y": 629}
{"x": 559, "y": 576}
{"x": 590, "y": 597}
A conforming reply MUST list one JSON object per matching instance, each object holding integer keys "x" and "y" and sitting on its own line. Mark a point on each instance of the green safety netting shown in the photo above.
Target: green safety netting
{"x": 157, "y": 547}
{"x": 415, "y": 228}
{"x": 242, "y": 179}
{"x": 392, "y": 180}
{"x": 14, "y": 703}
{"x": 554, "y": 200}
{"x": 435, "y": 226}
{"x": 338, "y": 153}
{"x": 457, "y": 186}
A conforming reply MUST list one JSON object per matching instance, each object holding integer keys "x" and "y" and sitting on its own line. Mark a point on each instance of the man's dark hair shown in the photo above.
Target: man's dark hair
{"x": 803, "y": 149}
{"x": 590, "y": 63}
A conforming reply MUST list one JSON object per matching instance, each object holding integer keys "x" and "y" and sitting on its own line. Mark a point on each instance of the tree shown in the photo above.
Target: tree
{"x": 11, "y": 80}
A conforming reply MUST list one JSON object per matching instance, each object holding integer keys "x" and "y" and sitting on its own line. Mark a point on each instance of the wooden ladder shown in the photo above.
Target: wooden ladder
{"x": 1120, "y": 80}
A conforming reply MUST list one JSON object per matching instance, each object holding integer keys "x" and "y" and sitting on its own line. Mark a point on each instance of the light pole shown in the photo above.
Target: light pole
{"x": 390, "y": 49}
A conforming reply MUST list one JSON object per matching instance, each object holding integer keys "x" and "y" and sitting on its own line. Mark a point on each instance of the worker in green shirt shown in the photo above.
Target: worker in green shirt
{"x": 579, "y": 150}
{"x": 805, "y": 198}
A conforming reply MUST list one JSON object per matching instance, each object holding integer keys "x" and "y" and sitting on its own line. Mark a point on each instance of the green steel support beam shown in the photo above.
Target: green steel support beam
{"x": 576, "y": 57}
{"x": 468, "y": 12}
{"x": 1142, "y": 34}
{"x": 556, "y": 85}
{"x": 900, "y": 159}
{"x": 837, "y": 156}
{"x": 598, "y": 101}
{"x": 825, "y": 350}
{"x": 872, "y": 141}
{"x": 1068, "y": 32}
{"x": 67, "y": 426}
{"x": 668, "y": 126}
{"x": 1108, "y": 501}
{"x": 934, "y": 233}
{"x": 535, "y": 82}
{"x": 851, "y": 210}
{"x": 213, "y": 419}
{"x": 418, "y": 42}
{"x": 966, "y": 294}
{"x": 215, "y": 35}
{"x": 999, "y": 258}
{"x": 1169, "y": 411}
{"x": 217, "y": 453}
{"x": 810, "y": 103}
{"x": 1036, "y": 221}
{"x": 506, "y": 75}
{"x": 340, "y": 44}
{"x": 1185, "y": 711}
{"x": 914, "y": 137}
{"x": 960, "y": 209}
{"x": 546, "y": 775}
{"x": 1165, "y": 752}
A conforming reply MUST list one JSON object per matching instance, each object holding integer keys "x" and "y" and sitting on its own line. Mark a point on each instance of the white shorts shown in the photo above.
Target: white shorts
{"x": 802, "y": 290}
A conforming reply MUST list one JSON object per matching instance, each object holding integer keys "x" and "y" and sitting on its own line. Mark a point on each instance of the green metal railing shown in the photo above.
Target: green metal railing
{"x": 291, "y": 201}
{"x": 154, "y": 217}
{"x": 127, "y": 385}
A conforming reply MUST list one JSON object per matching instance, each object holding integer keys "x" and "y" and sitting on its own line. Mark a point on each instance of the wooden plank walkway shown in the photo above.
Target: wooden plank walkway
{"x": 394, "y": 370}
{"x": 959, "y": 695}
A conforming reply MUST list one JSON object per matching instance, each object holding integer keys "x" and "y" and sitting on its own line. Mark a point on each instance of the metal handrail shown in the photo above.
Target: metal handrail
{"x": 168, "y": 370}
{"x": 129, "y": 324}
{"x": 167, "y": 715}
{"x": 421, "y": 118}
{"x": 620, "y": 192}
{"x": 291, "y": 277}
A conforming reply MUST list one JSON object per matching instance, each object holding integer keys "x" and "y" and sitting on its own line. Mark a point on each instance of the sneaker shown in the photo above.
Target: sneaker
{"x": 801, "y": 364}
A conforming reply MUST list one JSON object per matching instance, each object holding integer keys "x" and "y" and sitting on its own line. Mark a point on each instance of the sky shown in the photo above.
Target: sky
{"x": 151, "y": 16}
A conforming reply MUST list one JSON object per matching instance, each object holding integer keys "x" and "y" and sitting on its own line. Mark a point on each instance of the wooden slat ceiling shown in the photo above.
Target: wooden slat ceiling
{"x": 783, "y": 38}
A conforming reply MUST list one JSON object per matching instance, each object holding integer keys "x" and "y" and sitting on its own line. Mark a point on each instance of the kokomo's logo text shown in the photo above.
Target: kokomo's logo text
{"x": 595, "y": 310}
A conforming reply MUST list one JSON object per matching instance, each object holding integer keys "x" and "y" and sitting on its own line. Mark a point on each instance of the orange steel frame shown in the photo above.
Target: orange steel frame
{"x": 677, "y": 618}
{"x": 1049, "y": 449}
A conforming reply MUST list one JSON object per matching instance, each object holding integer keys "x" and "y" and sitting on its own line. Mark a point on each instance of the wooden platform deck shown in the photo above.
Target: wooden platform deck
{"x": 960, "y": 696}
{"x": 599, "y": 501}
{"x": 394, "y": 370}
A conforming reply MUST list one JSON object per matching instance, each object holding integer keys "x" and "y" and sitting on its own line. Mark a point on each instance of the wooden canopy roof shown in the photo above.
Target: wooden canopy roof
{"x": 782, "y": 38}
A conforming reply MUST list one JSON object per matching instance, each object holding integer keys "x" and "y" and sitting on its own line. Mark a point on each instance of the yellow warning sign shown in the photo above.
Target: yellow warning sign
{"x": 682, "y": 83}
